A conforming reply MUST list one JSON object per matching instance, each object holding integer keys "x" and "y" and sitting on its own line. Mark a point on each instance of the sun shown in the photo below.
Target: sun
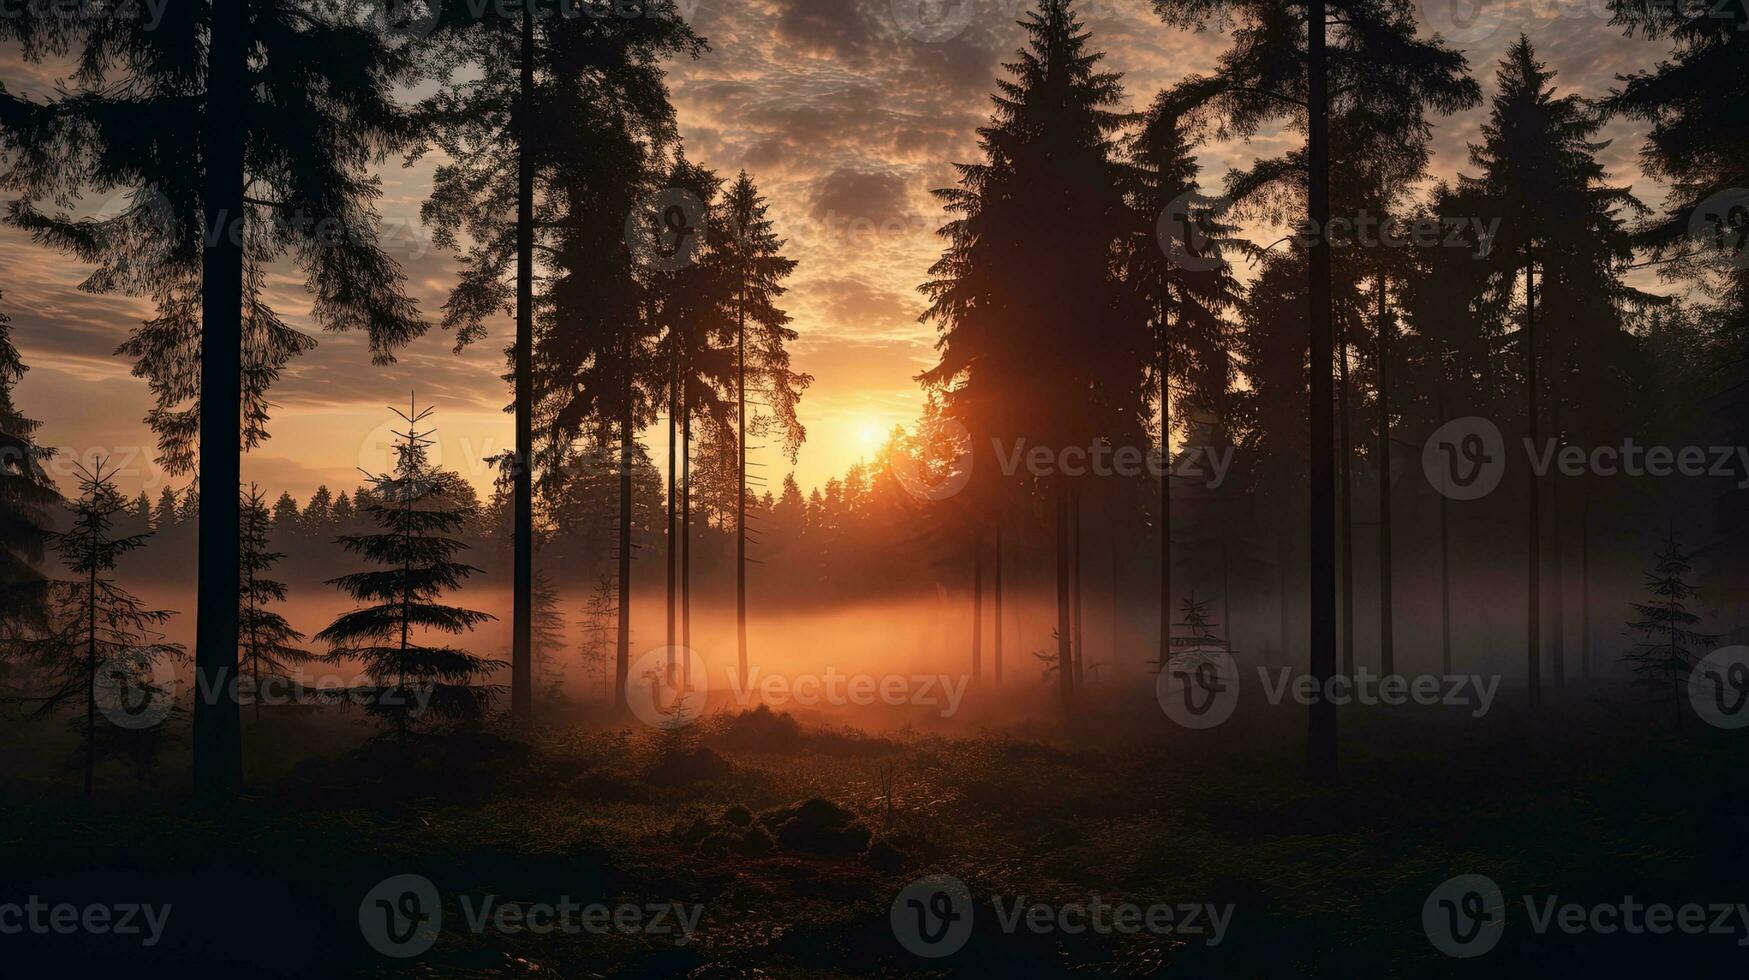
{"x": 870, "y": 436}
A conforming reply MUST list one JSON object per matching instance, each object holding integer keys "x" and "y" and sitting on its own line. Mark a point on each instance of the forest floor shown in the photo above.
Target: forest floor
{"x": 1586, "y": 803}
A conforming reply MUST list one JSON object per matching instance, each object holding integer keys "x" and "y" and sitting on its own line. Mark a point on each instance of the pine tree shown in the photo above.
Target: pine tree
{"x": 250, "y": 148}
{"x": 343, "y": 512}
{"x": 1058, "y": 360}
{"x": 549, "y": 638}
{"x": 267, "y": 638}
{"x": 165, "y": 517}
{"x": 1283, "y": 66}
{"x": 417, "y": 510}
{"x": 1184, "y": 289}
{"x": 104, "y": 650}
{"x": 1560, "y": 227}
{"x": 27, "y": 496}
{"x": 286, "y": 520}
{"x": 753, "y": 258}
{"x": 143, "y": 510}
{"x": 595, "y": 647}
{"x": 1668, "y": 646}
{"x": 567, "y": 95}
{"x": 319, "y": 512}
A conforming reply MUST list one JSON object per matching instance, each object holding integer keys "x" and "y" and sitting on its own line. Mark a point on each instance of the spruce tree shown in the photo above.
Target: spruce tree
{"x": 165, "y": 517}
{"x": 417, "y": 510}
{"x": 235, "y": 134}
{"x": 754, "y": 261}
{"x": 1059, "y": 360}
{"x": 1668, "y": 645}
{"x": 27, "y": 500}
{"x": 1561, "y": 228}
{"x": 549, "y": 638}
{"x": 1184, "y": 285}
{"x": 565, "y": 94}
{"x": 268, "y": 639}
{"x": 104, "y": 654}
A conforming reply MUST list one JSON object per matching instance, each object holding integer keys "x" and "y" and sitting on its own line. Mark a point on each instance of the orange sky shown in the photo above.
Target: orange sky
{"x": 844, "y": 120}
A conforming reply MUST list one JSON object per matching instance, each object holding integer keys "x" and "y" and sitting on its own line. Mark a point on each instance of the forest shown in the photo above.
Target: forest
{"x": 1279, "y": 516}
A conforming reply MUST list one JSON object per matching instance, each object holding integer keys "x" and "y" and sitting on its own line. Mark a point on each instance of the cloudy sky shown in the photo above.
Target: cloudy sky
{"x": 847, "y": 113}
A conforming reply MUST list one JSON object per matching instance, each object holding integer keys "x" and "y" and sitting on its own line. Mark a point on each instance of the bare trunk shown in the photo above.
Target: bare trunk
{"x": 1345, "y": 502}
{"x": 1321, "y": 586}
{"x": 623, "y": 649}
{"x": 996, "y": 652}
{"x": 1387, "y": 631}
{"x": 1065, "y": 662}
{"x": 977, "y": 605}
{"x": 522, "y": 615}
{"x": 1533, "y": 525}
{"x": 1080, "y": 645}
{"x": 741, "y": 491}
{"x": 218, "y": 734}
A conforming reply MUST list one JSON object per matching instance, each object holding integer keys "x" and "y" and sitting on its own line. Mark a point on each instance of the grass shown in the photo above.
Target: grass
{"x": 1585, "y": 801}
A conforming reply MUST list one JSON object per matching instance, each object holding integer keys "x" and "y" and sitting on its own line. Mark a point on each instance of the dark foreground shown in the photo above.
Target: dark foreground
{"x": 632, "y": 854}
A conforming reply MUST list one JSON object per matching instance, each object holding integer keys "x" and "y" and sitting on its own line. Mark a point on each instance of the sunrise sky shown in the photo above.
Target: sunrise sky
{"x": 845, "y": 119}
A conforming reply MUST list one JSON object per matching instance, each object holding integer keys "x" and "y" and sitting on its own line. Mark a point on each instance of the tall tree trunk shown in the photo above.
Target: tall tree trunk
{"x": 91, "y": 682}
{"x": 1387, "y": 632}
{"x": 977, "y": 605}
{"x": 673, "y": 529}
{"x": 1080, "y": 645}
{"x": 741, "y": 488}
{"x": 1165, "y": 492}
{"x": 1444, "y": 547}
{"x": 1533, "y": 524}
{"x": 1321, "y": 588}
{"x": 623, "y": 654}
{"x": 996, "y": 651}
{"x": 218, "y": 723}
{"x": 1557, "y": 571}
{"x": 1226, "y": 591}
{"x": 1345, "y": 500}
{"x": 1065, "y": 661}
{"x": 1281, "y": 585}
{"x": 522, "y": 608}
{"x": 1585, "y": 588}
{"x": 686, "y": 530}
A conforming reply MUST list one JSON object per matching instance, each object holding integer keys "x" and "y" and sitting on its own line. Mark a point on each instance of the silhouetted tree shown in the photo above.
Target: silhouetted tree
{"x": 1668, "y": 645}
{"x": 233, "y": 153}
{"x": 1560, "y": 228}
{"x": 268, "y": 640}
{"x": 752, "y": 258}
{"x": 563, "y": 93}
{"x": 1058, "y": 360}
{"x": 1185, "y": 285}
{"x": 417, "y": 510}
{"x": 104, "y": 648}
{"x": 27, "y": 497}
